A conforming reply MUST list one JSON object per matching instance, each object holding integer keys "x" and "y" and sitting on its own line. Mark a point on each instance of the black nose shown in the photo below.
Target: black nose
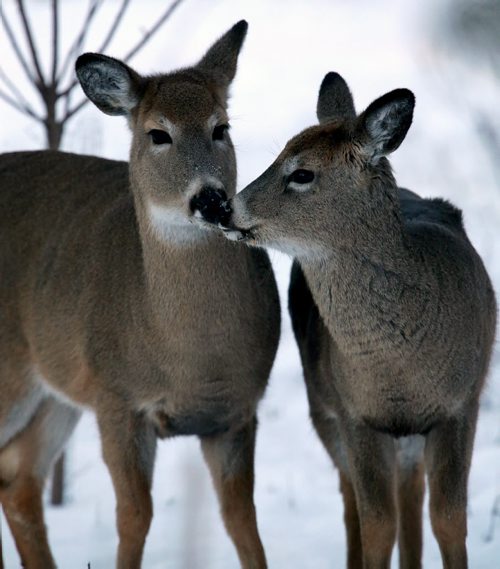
{"x": 212, "y": 204}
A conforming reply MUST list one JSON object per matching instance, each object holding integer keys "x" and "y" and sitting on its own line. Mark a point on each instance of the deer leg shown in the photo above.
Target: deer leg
{"x": 230, "y": 458}
{"x": 1, "y": 549}
{"x": 371, "y": 459}
{"x": 129, "y": 447}
{"x": 22, "y": 505}
{"x": 24, "y": 465}
{"x": 447, "y": 453}
{"x": 327, "y": 429}
{"x": 351, "y": 520}
{"x": 410, "y": 499}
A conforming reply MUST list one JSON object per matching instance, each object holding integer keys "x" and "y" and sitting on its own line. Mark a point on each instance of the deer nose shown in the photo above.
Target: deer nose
{"x": 212, "y": 205}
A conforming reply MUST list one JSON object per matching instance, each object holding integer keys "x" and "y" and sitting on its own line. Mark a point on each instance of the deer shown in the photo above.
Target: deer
{"x": 113, "y": 300}
{"x": 394, "y": 315}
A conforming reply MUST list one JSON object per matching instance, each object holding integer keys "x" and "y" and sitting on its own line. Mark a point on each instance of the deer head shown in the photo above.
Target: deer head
{"x": 181, "y": 146}
{"x": 323, "y": 188}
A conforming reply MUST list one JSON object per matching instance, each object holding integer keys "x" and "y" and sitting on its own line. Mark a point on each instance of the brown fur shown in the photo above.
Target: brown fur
{"x": 394, "y": 315}
{"x": 410, "y": 497}
{"x": 162, "y": 328}
{"x": 234, "y": 485}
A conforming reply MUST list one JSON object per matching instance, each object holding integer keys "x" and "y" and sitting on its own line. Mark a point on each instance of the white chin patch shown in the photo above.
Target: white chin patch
{"x": 172, "y": 225}
{"x": 234, "y": 235}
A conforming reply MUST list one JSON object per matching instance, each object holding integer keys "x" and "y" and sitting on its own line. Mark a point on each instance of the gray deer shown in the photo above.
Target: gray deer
{"x": 394, "y": 315}
{"x": 112, "y": 299}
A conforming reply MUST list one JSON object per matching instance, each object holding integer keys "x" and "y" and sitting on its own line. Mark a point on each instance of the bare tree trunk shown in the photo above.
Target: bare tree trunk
{"x": 53, "y": 131}
{"x": 58, "y": 482}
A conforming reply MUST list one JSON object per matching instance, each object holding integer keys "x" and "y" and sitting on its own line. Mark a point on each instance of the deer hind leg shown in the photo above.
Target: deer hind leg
{"x": 230, "y": 458}
{"x": 372, "y": 460}
{"x": 24, "y": 465}
{"x": 128, "y": 447}
{"x": 447, "y": 454}
{"x": 327, "y": 430}
{"x": 410, "y": 499}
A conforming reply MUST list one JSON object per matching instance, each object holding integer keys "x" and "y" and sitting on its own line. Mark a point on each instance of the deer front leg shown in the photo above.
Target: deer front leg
{"x": 447, "y": 453}
{"x": 128, "y": 447}
{"x": 351, "y": 520}
{"x": 230, "y": 458}
{"x": 411, "y": 490}
{"x": 371, "y": 459}
{"x": 328, "y": 432}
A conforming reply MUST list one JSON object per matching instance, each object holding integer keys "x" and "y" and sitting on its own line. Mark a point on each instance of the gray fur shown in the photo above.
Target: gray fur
{"x": 221, "y": 58}
{"x": 56, "y": 424}
{"x": 335, "y": 101}
{"x": 20, "y": 413}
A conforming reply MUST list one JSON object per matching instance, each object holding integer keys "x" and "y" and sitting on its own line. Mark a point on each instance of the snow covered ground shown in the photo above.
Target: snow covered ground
{"x": 377, "y": 46}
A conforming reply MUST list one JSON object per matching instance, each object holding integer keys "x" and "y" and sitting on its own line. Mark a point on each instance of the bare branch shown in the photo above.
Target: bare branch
{"x": 55, "y": 40}
{"x": 67, "y": 102}
{"x": 78, "y": 43}
{"x": 31, "y": 43}
{"x": 114, "y": 25}
{"x": 16, "y": 48}
{"x": 495, "y": 512}
{"x": 19, "y": 106}
{"x": 133, "y": 51}
{"x": 74, "y": 110}
{"x": 147, "y": 36}
{"x": 104, "y": 45}
{"x": 19, "y": 97}
{"x": 38, "y": 79}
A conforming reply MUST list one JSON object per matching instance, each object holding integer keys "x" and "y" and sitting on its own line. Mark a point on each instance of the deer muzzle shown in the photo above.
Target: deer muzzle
{"x": 212, "y": 206}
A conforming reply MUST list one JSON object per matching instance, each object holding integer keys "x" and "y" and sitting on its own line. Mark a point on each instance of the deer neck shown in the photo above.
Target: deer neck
{"x": 362, "y": 280}
{"x": 177, "y": 265}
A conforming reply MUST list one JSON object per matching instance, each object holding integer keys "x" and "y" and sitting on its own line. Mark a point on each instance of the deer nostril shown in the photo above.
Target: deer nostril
{"x": 212, "y": 205}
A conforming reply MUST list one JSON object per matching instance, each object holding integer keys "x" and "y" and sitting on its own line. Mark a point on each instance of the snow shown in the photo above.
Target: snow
{"x": 376, "y": 46}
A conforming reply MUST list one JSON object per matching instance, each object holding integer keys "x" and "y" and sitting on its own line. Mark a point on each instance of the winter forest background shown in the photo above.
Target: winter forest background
{"x": 448, "y": 53}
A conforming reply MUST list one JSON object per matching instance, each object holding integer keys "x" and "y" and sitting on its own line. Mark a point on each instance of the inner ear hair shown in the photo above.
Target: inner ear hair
{"x": 386, "y": 121}
{"x": 110, "y": 84}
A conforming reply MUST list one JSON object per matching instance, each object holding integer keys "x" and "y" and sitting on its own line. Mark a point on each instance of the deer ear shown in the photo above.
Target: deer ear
{"x": 386, "y": 121}
{"x": 221, "y": 59}
{"x": 111, "y": 85}
{"x": 334, "y": 100}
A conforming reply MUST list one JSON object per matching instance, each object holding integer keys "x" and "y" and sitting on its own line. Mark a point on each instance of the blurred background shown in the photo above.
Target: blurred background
{"x": 448, "y": 53}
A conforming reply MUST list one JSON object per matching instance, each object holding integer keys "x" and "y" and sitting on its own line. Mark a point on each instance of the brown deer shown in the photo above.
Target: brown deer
{"x": 112, "y": 299}
{"x": 394, "y": 315}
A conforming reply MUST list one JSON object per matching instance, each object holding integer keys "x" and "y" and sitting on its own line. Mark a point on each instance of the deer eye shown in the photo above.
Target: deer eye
{"x": 301, "y": 177}
{"x": 160, "y": 136}
{"x": 219, "y": 130}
